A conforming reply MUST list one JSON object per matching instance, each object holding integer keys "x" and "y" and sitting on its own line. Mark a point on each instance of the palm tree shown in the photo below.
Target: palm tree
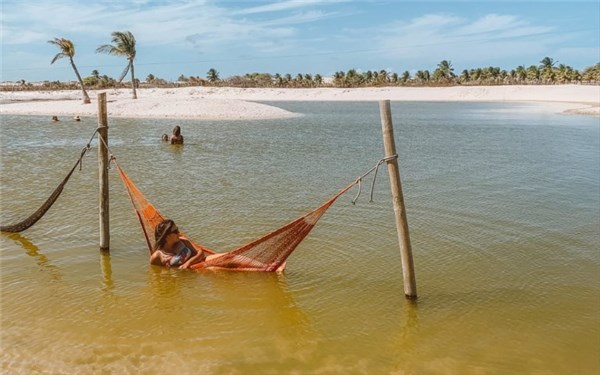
{"x": 547, "y": 63}
{"x": 423, "y": 76}
{"x": 405, "y": 76}
{"x": 212, "y": 75}
{"x": 444, "y": 71}
{"x": 67, "y": 49}
{"x": 382, "y": 78}
{"x": 298, "y": 80}
{"x": 353, "y": 79}
{"x": 533, "y": 74}
{"x": 591, "y": 74}
{"x": 318, "y": 79}
{"x": 308, "y": 79}
{"x": 521, "y": 73}
{"x": 338, "y": 78}
{"x": 123, "y": 45}
{"x": 546, "y": 68}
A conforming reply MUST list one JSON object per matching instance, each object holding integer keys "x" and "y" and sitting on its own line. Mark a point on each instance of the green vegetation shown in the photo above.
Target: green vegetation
{"x": 547, "y": 72}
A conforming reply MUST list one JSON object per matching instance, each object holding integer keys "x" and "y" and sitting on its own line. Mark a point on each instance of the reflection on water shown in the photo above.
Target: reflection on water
{"x": 106, "y": 267}
{"x": 34, "y": 251}
{"x": 503, "y": 206}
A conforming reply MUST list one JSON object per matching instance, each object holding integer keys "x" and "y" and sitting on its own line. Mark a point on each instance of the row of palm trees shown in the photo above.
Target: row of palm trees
{"x": 545, "y": 73}
{"x": 123, "y": 45}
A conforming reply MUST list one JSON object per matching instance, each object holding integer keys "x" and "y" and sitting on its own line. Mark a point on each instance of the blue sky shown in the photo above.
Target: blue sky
{"x": 189, "y": 37}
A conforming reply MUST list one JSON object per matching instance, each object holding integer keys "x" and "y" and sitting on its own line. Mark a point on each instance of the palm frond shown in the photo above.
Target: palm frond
{"x": 125, "y": 42}
{"x": 108, "y": 49}
{"x": 124, "y": 73}
{"x": 59, "y": 55}
{"x": 65, "y": 45}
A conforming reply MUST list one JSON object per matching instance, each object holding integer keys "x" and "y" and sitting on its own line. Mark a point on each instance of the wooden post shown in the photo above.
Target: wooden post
{"x": 103, "y": 172}
{"x": 408, "y": 269}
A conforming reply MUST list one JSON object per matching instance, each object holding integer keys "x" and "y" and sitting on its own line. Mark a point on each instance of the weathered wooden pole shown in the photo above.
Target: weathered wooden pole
{"x": 103, "y": 172}
{"x": 408, "y": 269}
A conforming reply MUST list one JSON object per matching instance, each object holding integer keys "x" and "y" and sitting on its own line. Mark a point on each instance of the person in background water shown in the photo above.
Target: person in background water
{"x": 176, "y": 137}
{"x": 165, "y": 137}
{"x": 55, "y": 119}
{"x": 173, "y": 250}
{"x": 77, "y": 118}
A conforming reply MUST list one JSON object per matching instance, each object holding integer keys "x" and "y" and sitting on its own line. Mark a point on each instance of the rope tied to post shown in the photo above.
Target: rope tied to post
{"x": 375, "y": 168}
{"x": 111, "y": 156}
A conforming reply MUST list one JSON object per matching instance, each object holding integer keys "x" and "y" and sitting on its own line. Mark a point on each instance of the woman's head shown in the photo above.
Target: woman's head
{"x": 162, "y": 231}
{"x": 177, "y": 131}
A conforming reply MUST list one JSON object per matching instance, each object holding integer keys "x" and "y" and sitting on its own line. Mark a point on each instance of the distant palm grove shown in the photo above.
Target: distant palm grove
{"x": 546, "y": 72}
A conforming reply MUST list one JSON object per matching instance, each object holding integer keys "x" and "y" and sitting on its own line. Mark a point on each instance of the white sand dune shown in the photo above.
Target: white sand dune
{"x": 220, "y": 103}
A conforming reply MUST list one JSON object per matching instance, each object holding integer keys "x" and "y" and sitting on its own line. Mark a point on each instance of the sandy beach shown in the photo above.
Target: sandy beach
{"x": 225, "y": 103}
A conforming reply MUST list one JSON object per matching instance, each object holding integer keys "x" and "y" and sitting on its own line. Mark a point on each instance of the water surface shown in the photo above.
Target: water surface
{"x": 503, "y": 203}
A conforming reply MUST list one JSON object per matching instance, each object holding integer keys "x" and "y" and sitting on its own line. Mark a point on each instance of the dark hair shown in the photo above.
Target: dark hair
{"x": 177, "y": 131}
{"x": 162, "y": 230}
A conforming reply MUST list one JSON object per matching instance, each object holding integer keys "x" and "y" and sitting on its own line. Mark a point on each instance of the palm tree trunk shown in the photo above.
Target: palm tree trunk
{"x": 132, "y": 79}
{"x": 86, "y": 98}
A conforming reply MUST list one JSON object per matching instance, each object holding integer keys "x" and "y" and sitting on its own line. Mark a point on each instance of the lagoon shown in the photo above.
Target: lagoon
{"x": 503, "y": 204}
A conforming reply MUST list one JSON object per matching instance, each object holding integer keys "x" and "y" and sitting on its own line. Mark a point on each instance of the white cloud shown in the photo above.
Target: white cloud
{"x": 438, "y": 36}
{"x": 286, "y": 5}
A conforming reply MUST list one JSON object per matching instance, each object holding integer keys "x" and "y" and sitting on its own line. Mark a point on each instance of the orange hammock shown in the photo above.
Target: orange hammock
{"x": 267, "y": 253}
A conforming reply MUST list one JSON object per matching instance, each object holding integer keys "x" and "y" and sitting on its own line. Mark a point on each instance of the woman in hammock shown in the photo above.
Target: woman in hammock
{"x": 173, "y": 250}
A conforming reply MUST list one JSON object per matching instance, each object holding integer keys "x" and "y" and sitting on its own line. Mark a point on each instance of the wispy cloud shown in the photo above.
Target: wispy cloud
{"x": 284, "y": 35}
{"x": 444, "y": 36}
{"x": 286, "y": 5}
{"x": 152, "y": 23}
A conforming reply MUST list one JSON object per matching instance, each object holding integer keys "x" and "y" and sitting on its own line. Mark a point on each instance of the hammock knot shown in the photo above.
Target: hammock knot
{"x": 111, "y": 159}
{"x": 375, "y": 168}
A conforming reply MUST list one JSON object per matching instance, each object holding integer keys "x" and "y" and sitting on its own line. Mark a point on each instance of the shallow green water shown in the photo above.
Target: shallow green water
{"x": 503, "y": 204}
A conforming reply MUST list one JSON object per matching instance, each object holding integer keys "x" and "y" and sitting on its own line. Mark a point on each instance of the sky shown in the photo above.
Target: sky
{"x": 189, "y": 37}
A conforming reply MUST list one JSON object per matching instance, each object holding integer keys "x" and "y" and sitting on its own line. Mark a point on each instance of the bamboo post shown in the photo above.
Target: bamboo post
{"x": 103, "y": 172}
{"x": 408, "y": 271}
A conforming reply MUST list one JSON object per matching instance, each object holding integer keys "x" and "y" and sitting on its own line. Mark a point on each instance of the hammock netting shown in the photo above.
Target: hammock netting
{"x": 268, "y": 253}
{"x": 40, "y": 212}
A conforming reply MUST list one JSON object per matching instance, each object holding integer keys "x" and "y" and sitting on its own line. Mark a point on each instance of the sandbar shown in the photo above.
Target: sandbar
{"x": 229, "y": 103}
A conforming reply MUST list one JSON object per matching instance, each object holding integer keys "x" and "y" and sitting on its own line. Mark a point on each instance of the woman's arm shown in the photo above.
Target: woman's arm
{"x": 159, "y": 259}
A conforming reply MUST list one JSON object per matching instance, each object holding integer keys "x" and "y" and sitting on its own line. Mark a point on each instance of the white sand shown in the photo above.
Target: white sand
{"x": 235, "y": 103}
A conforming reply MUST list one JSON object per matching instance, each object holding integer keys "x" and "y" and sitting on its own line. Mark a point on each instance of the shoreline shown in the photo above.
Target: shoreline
{"x": 227, "y": 103}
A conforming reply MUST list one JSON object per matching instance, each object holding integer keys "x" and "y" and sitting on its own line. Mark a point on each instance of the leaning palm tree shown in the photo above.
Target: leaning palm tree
{"x": 123, "y": 45}
{"x": 67, "y": 49}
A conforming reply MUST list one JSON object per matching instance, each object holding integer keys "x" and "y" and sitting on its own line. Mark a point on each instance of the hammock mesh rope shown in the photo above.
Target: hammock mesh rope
{"x": 267, "y": 253}
{"x": 40, "y": 212}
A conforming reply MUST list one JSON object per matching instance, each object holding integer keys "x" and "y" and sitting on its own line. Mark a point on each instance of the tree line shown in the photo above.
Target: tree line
{"x": 547, "y": 72}
{"x": 123, "y": 44}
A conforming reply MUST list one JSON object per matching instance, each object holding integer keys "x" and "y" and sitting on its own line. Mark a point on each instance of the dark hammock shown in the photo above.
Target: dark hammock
{"x": 33, "y": 218}
{"x": 267, "y": 253}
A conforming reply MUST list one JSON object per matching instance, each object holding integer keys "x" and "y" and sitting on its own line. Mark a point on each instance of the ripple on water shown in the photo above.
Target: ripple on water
{"x": 504, "y": 226}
